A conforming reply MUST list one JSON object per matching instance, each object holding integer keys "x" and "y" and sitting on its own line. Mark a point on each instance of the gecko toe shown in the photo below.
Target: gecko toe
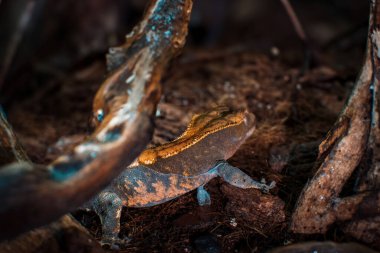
{"x": 266, "y": 188}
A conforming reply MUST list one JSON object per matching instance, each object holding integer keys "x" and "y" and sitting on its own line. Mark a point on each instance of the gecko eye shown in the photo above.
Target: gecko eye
{"x": 100, "y": 115}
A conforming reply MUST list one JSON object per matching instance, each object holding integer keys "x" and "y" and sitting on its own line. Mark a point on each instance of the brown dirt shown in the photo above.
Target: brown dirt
{"x": 51, "y": 109}
{"x": 290, "y": 111}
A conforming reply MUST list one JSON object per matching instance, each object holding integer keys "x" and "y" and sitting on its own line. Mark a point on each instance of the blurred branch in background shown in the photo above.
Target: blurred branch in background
{"x": 298, "y": 27}
{"x": 15, "y": 19}
{"x": 295, "y": 21}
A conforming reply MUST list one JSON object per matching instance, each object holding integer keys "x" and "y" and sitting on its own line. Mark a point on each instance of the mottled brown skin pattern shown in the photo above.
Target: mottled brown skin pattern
{"x": 178, "y": 167}
{"x": 143, "y": 187}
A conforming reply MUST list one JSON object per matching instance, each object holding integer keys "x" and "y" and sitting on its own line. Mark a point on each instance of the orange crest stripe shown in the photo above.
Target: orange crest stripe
{"x": 200, "y": 127}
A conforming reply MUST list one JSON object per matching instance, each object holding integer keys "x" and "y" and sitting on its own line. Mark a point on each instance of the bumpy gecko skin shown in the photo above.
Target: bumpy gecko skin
{"x": 196, "y": 157}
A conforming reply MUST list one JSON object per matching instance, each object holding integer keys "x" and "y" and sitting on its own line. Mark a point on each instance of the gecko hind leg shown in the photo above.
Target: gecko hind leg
{"x": 108, "y": 206}
{"x": 238, "y": 178}
{"x": 203, "y": 196}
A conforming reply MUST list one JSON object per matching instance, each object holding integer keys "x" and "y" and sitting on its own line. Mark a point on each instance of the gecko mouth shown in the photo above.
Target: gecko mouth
{"x": 250, "y": 122}
{"x": 250, "y": 132}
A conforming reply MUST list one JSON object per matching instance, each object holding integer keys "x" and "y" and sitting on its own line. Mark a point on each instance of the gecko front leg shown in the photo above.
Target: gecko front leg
{"x": 238, "y": 178}
{"x": 204, "y": 198}
{"x": 108, "y": 207}
{"x": 232, "y": 175}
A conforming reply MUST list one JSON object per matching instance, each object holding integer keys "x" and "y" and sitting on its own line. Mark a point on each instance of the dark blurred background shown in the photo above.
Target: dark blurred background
{"x": 62, "y": 33}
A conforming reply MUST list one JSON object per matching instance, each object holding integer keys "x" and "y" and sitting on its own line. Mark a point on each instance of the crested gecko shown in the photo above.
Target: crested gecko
{"x": 170, "y": 170}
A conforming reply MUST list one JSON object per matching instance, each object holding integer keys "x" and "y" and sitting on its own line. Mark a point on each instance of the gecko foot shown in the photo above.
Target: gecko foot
{"x": 266, "y": 188}
{"x": 203, "y": 196}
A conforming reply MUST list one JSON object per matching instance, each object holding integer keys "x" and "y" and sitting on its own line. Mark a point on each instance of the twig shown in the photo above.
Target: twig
{"x": 295, "y": 21}
{"x": 300, "y": 33}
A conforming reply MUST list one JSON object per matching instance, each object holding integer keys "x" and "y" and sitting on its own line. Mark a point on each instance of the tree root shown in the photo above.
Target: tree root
{"x": 354, "y": 138}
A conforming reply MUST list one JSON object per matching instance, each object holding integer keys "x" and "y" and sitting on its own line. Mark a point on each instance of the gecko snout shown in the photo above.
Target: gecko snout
{"x": 250, "y": 122}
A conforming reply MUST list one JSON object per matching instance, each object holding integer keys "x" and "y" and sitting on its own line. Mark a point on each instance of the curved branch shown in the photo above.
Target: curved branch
{"x": 34, "y": 195}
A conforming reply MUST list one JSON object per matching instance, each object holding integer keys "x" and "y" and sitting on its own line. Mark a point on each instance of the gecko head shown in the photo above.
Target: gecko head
{"x": 236, "y": 133}
{"x": 221, "y": 128}
{"x": 226, "y": 127}
{"x": 249, "y": 124}
{"x": 240, "y": 132}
